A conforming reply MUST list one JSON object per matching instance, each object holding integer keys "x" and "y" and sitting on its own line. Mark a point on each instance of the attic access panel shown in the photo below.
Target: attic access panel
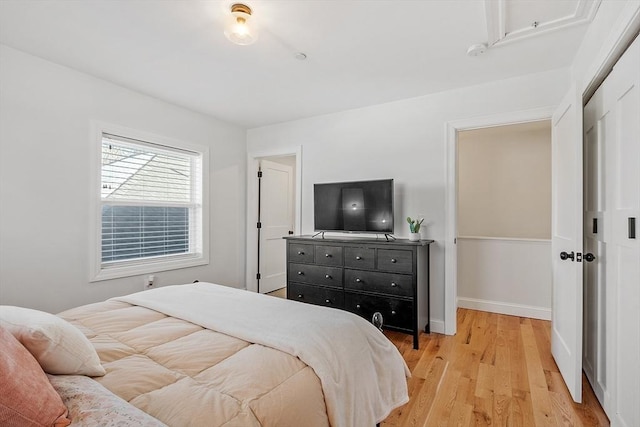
{"x": 510, "y": 20}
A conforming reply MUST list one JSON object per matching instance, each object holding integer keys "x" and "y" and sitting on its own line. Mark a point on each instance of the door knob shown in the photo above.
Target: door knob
{"x": 589, "y": 257}
{"x": 564, "y": 256}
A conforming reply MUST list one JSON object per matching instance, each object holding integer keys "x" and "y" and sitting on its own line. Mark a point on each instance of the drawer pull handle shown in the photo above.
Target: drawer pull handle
{"x": 358, "y": 306}
{"x": 358, "y": 280}
{"x": 326, "y": 276}
{"x": 327, "y": 255}
{"x": 358, "y": 257}
{"x": 393, "y": 260}
{"x": 300, "y": 253}
{"x": 393, "y": 312}
{"x": 300, "y": 273}
{"x": 394, "y": 284}
{"x": 328, "y": 301}
{"x": 300, "y": 296}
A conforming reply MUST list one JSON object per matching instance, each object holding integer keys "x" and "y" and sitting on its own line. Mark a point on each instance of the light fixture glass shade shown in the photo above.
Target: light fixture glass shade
{"x": 239, "y": 27}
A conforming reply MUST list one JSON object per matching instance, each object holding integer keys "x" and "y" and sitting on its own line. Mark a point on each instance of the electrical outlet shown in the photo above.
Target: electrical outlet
{"x": 148, "y": 282}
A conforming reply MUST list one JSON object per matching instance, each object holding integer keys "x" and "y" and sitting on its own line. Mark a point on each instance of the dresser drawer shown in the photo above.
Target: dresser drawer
{"x": 395, "y": 260}
{"x": 316, "y": 274}
{"x": 328, "y": 255}
{"x": 395, "y": 312}
{"x": 359, "y": 257}
{"x": 315, "y": 295}
{"x": 299, "y": 252}
{"x": 373, "y": 281}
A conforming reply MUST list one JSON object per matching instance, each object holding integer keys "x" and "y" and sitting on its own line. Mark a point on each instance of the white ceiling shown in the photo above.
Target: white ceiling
{"x": 360, "y": 53}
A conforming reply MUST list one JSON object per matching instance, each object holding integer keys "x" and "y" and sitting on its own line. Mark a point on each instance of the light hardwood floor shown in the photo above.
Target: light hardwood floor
{"x": 496, "y": 371}
{"x": 280, "y": 293}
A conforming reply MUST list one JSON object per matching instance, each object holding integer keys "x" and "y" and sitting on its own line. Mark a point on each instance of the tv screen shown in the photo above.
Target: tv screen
{"x": 358, "y": 207}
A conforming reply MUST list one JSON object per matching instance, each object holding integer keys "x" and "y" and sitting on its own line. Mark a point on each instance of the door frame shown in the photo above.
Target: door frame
{"x": 253, "y": 159}
{"x": 451, "y": 189}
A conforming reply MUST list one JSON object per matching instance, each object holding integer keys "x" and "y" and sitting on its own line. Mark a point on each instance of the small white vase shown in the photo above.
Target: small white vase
{"x": 414, "y": 237}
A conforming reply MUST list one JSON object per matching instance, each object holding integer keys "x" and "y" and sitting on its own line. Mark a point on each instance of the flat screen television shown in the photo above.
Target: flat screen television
{"x": 354, "y": 207}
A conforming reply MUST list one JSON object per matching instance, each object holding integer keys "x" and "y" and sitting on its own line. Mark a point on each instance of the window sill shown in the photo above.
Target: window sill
{"x": 117, "y": 272}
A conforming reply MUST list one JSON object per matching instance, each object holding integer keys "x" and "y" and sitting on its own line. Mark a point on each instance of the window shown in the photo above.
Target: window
{"x": 150, "y": 207}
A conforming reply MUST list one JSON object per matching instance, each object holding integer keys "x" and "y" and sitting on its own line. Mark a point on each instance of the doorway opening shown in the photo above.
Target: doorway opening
{"x": 453, "y": 130}
{"x": 273, "y": 212}
{"x": 504, "y": 219}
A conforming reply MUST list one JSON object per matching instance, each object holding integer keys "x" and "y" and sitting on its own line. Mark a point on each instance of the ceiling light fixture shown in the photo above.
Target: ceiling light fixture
{"x": 238, "y": 28}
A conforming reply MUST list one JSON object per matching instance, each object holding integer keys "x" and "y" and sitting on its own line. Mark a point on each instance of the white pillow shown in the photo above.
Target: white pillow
{"x": 57, "y": 345}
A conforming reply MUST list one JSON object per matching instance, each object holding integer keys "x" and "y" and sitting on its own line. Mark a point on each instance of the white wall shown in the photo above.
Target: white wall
{"x": 404, "y": 140}
{"x": 612, "y": 29}
{"x": 508, "y": 276}
{"x": 45, "y": 113}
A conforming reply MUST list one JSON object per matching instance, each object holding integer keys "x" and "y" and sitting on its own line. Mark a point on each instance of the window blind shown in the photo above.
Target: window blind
{"x": 151, "y": 201}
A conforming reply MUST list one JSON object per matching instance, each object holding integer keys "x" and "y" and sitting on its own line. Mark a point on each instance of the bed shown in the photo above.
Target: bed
{"x": 208, "y": 355}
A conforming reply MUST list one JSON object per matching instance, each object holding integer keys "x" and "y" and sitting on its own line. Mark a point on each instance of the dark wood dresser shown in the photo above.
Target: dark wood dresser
{"x": 363, "y": 276}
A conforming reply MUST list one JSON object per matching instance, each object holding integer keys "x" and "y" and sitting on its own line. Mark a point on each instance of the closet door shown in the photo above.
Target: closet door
{"x": 623, "y": 263}
{"x": 597, "y": 126}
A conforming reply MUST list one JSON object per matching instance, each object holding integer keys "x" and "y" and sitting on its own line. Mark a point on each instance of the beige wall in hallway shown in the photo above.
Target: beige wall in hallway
{"x": 504, "y": 181}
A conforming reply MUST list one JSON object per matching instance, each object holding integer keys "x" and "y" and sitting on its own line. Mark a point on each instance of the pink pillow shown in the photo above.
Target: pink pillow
{"x": 27, "y": 398}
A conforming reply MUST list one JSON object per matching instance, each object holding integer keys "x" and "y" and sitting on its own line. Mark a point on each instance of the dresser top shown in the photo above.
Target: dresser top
{"x": 360, "y": 240}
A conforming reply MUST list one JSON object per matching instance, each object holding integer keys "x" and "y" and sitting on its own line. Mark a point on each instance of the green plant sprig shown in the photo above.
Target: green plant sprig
{"x": 414, "y": 224}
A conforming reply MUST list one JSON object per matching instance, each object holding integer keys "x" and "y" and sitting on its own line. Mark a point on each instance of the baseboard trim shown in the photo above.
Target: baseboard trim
{"x": 505, "y": 308}
{"x": 437, "y": 326}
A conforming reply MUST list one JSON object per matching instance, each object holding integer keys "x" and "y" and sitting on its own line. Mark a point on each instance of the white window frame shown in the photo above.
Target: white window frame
{"x": 148, "y": 265}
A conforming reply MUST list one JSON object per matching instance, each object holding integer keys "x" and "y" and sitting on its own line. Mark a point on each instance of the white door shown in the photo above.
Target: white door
{"x": 276, "y": 216}
{"x": 566, "y": 241}
{"x": 597, "y": 328}
{"x": 624, "y": 254}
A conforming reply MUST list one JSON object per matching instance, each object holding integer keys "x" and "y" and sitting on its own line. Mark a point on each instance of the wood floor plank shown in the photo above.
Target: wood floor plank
{"x": 422, "y": 401}
{"x": 501, "y": 408}
{"x": 502, "y": 379}
{"x": 540, "y": 399}
{"x": 461, "y": 415}
{"x": 543, "y": 341}
{"x": 483, "y": 412}
{"x": 431, "y": 350}
{"x": 497, "y": 370}
{"x": 445, "y": 400}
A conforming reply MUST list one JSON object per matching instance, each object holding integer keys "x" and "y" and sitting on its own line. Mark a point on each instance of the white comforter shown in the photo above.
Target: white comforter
{"x": 362, "y": 373}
